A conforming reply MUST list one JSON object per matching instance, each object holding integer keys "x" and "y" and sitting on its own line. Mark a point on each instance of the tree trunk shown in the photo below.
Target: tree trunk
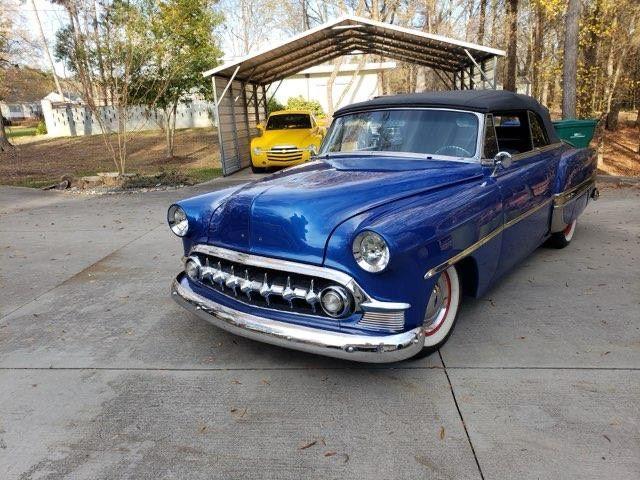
{"x": 330, "y": 83}
{"x": 512, "y": 45}
{"x": 570, "y": 63}
{"x": 612, "y": 117}
{"x": 46, "y": 49}
{"x": 536, "y": 55}
{"x": 4, "y": 140}
{"x": 482, "y": 20}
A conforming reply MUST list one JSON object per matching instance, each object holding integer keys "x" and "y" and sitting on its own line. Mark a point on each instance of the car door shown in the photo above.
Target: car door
{"x": 525, "y": 186}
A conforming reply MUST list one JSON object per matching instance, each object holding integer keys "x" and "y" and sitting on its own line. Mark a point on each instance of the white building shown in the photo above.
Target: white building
{"x": 311, "y": 84}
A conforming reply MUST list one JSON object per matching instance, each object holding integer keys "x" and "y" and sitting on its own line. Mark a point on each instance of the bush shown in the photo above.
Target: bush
{"x": 41, "y": 128}
{"x": 299, "y": 103}
{"x": 274, "y": 105}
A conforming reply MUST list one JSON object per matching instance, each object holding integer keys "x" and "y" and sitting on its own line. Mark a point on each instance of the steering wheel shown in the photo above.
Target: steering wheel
{"x": 454, "y": 150}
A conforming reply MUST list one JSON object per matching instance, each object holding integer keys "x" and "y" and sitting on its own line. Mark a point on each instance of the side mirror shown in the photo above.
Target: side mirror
{"x": 502, "y": 160}
{"x": 260, "y": 128}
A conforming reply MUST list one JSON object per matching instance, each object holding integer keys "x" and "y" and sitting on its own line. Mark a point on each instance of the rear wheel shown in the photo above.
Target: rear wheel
{"x": 563, "y": 238}
{"x": 441, "y": 312}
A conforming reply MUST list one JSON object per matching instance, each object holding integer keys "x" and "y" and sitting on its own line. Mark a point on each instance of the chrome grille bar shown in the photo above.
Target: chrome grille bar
{"x": 393, "y": 320}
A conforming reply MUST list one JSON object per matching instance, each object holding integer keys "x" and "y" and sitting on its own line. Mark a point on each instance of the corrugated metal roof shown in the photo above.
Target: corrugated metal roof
{"x": 352, "y": 34}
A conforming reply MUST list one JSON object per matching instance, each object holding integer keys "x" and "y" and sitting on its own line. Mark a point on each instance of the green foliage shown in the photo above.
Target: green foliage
{"x": 274, "y": 105}
{"x": 181, "y": 32}
{"x": 299, "y": 103}
{"x": 15, "y": 132}
{"x": 41, "y": 128}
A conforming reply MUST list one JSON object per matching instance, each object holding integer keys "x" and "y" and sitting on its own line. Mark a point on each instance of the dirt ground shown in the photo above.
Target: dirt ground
{"x": 34, "y": 161}
{"x": 621, "y": 155}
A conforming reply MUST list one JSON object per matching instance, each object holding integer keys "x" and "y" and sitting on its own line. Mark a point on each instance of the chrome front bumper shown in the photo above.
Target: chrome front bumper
{"x": 359, "y": 348}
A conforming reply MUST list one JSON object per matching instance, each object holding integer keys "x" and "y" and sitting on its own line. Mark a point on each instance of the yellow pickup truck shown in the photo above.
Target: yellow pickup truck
{"x": 290, "y": 137}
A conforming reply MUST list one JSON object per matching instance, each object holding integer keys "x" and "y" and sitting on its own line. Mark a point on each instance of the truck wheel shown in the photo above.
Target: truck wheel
{"x": 563, "y": 238}
{"x": 442, "y": 310}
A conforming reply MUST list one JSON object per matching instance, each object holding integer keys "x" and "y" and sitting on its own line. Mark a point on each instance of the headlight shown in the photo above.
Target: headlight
{"x": 257, "y": 150}
{"x": 371, "y": 251}
{"x": 178, "y": 220}
{"x": 313, "y": 149}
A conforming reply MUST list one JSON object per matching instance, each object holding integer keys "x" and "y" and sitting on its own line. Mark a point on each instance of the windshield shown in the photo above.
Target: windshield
{"x": 288, "y": 120}
{"x": 424, "y": 131}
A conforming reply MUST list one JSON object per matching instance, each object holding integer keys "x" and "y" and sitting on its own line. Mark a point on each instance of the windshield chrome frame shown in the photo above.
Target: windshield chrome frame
{"x": 477, "y": 157}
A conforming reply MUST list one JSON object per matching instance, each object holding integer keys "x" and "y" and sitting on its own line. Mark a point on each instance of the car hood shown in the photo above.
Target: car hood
{"x": 292, "y": 213}
{"x": 297, "y": 137}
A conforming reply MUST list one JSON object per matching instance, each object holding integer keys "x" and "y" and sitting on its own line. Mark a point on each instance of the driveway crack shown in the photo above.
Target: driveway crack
{"x": 464, "y": 425}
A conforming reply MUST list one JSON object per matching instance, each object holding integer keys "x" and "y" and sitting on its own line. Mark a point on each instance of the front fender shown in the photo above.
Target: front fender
{"x": 422, "y": 232}
{"x": 199, "y": 210}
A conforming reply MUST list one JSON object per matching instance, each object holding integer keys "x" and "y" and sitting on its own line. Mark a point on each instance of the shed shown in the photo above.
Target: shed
{"x": 241, "y": 86}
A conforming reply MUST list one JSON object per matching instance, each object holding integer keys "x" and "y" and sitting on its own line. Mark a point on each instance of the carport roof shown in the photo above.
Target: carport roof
{"x": 351, "y": 34}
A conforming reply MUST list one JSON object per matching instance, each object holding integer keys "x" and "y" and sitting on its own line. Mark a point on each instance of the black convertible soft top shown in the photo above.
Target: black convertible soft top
{"x": 484, "y": 101}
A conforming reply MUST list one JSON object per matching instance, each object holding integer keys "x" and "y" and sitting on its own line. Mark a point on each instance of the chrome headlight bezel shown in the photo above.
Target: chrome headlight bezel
{"x": 359, "y": 252}
{"x": 257, "y": 151}
{"x": 178, "y": 220}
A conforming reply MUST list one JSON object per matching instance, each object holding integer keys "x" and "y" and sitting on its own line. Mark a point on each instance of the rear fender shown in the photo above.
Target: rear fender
{"x": 575, "y": 182}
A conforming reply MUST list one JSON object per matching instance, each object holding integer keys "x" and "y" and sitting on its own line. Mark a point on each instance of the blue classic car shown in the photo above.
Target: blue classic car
{"x": 365, "y": 253}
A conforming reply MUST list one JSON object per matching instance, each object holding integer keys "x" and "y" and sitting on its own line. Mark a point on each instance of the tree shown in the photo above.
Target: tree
{"x": 4, "y": 61}
{"x": 182, "y": 31}
{"x": 570, "y": 64}
{"x": 134, "y": 56}
{"x": 512, "y": 45}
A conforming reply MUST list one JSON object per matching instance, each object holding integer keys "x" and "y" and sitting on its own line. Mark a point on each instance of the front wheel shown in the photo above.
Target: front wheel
{"x": 563, "y": 238}
{"x": 441, "y": 312}
{"x": 255, "y": 169}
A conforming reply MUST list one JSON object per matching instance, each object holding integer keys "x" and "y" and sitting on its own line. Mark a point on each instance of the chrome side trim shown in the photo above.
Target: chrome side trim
{"x": 567, "y": 195}
{"x": 564, "y": 199}
{"x": 473, "y": 247}
{"x": 359, "y": 348}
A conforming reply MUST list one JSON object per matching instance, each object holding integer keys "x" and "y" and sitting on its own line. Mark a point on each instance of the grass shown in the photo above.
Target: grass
{"x": 33, "y": 182}
{"x": 15, "y": 132}
{"x": 190, "y": 176}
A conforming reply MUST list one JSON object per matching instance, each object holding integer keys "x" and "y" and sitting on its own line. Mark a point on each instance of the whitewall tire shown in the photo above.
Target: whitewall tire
{"x": 563, "y": 238}
{"x": 442, "y": 310}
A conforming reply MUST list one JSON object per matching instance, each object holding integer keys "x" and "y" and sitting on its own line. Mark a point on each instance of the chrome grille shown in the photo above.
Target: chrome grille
{"x": 392, "y": 320}
{"x": 263, "y": 287}
{"x": 284, "y": 154}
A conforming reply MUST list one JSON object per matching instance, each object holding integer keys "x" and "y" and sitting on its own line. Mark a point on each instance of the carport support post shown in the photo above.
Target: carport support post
{"x": 264, "y": 99}
{"x": 233, "y": 116}
{"x": 495, "y": 68}
{"x": 216, "y": 114}
{"x": 245, "y": 108}
{"x": 255, "y": 103}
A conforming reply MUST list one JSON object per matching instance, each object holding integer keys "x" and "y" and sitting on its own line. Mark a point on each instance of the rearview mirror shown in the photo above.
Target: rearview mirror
{"x": 502, "y": 160}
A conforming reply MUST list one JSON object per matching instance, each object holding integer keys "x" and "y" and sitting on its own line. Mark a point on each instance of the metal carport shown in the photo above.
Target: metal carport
{"x": 240, "y": 87}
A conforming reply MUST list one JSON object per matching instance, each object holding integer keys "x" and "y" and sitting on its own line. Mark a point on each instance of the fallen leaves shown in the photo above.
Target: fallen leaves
{"x": 308, "y": 445}
{"x": 238, "y": 413}
{"x": 442, "y": 432}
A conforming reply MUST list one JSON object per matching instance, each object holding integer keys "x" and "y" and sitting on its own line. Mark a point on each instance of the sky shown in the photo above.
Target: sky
{"x": 52, "y": 18}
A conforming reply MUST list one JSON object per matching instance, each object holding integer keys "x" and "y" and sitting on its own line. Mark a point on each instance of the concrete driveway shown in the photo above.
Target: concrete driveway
{"x": 103, "y": 376}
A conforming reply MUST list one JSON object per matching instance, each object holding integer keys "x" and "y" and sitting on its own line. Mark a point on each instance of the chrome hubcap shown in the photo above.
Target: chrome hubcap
{"x": 438, "y": 304}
